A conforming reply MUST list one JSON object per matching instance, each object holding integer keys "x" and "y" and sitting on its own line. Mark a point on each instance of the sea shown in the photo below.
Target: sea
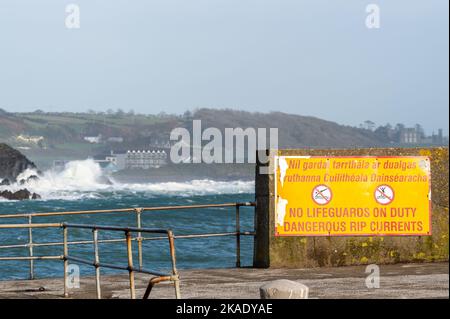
{"x": 82, "y": 185}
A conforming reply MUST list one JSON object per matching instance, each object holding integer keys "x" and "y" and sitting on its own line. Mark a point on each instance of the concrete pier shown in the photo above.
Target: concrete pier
{"x": 424, "y": 280}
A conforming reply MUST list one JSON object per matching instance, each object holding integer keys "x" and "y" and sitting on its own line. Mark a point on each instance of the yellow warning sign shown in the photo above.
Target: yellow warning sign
{"x": 352, "y": 196}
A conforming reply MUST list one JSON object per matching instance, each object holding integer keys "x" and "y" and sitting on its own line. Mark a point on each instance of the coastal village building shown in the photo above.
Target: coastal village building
{"x": 29, "y": 140}
{"x": 138, "y": 159}
{"x": 93, "y": 139}
{"x": 409, "y": 136}
{"x": 132, "y": 159}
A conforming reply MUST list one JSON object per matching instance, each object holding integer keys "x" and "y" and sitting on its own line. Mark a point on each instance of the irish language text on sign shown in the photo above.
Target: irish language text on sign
{"x": 352, "y": 196}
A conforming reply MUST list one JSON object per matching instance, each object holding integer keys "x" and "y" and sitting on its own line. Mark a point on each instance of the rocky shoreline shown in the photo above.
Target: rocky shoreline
{"x": 22, "y": 194}
{"x": 12, "y": 164}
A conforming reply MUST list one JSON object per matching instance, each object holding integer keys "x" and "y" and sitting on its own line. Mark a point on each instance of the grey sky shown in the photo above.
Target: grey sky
{"x": 310, "y": 57}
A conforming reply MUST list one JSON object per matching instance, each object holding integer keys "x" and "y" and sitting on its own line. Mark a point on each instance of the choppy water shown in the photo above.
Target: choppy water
{"x": 81, "y": 187}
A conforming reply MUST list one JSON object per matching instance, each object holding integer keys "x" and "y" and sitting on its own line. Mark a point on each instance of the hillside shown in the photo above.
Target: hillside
{"x": 140, "y": 130}
{"x": 44, "y": 137}
{"x": 294, "y": 130}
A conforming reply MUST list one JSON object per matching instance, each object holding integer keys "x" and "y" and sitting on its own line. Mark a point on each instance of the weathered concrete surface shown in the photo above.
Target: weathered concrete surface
{"x": 300, "y": 252}
{"x": 425, "y": 280}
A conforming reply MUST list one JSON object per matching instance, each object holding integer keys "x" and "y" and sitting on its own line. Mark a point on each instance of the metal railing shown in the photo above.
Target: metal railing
{"x": 138, "y": 230}
{"x": 158, "y": 276}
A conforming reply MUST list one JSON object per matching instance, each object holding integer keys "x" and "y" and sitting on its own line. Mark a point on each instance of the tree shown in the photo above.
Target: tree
{"x": 369, "y": 125}
{"x": 187, "y": 115}
{"x": 383, "y": 133}
{"x": 399, "y": 127}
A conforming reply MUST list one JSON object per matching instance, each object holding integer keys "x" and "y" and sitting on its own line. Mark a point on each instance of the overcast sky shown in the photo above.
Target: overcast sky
{"x": 310, "y": 57}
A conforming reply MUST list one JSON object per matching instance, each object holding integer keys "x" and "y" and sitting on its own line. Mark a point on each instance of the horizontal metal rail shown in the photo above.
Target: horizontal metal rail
{"x": 116, "y": 228}
{"x": 48, "y": 225}
{"x": 103, "y": 241}
{"x": 32, "y": 258}
{"x": 142, "y": 209}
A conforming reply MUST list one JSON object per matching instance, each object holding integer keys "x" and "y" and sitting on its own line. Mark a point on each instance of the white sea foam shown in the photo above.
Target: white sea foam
{"x": 85, "y": 180}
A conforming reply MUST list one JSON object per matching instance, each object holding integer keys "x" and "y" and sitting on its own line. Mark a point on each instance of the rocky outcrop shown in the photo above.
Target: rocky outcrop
{"x": 29, "y": 179}
{"x": 12, "y": 163}
{"x": 22, "y": 194}
{"x": 5, "y": 182}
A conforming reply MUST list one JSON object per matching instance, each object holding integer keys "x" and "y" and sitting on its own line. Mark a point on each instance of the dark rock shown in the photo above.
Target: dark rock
{"x": 32, "y": 178}
{"x": 5, "y": 182}
{"x": 29, "y": 179}
{"x": 6, "y": 194}
{"x": 35, "y": 196}
{"x": 22, "y": 194}
{"x": 12, "y": 163}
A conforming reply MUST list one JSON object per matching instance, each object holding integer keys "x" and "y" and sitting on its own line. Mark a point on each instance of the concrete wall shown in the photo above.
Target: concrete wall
{"x": 279, "y": 252}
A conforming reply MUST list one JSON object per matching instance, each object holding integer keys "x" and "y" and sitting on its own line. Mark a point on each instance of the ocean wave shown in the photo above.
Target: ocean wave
{"x": 85, "y": 180}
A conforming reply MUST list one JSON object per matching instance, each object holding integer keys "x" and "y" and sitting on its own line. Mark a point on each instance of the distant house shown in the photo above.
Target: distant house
{"x": 29, "y": 139}
{"x": 413, "y": 135}
{"x": 111, "y": 159}
{"x": 409, "y": 136}
{"x": 93, "y": 139}
{"x": 107, "y": 166}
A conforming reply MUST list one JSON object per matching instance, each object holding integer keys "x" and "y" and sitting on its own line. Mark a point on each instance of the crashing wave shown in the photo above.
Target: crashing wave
{"x": 85, "y": 180}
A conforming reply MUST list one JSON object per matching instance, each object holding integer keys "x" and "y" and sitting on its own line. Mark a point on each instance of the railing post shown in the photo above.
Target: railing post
{"x": 97, "y": 264}
{"x": 130, "y": 264}
{"x": 30, "y": 247}
{"x": 174, "y": 264}
{"x": 66, "y": 261}
{"x": 139, "y": 237}
{"x": 238, "y": 237}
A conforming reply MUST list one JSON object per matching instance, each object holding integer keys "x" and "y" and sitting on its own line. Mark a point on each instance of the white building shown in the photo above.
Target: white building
{"x": 93, "y": 139}
{"x": 409, "y": 136}
{"x": 139, "y": 159}
{"x": 29, "y": 139}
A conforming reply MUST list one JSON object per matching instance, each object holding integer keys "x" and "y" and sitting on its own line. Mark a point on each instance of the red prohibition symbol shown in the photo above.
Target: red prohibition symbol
{"x": 322, "y": 194}
{"x": 384, "y": 194}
